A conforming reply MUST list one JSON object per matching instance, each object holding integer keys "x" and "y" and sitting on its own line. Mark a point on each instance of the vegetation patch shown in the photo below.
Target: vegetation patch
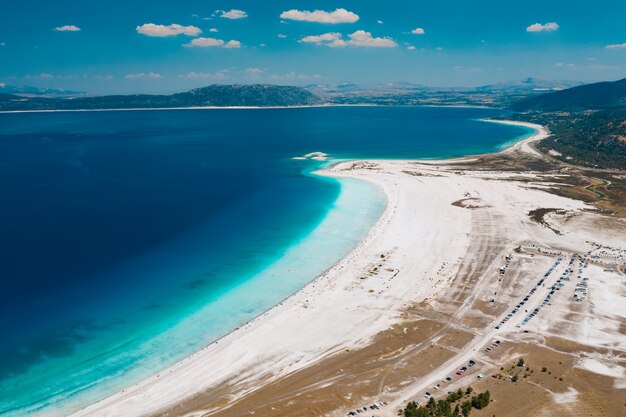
{"x": 587, "y": 138}
{"x": 538, "y": 216}
{"x": 463, "y": 404}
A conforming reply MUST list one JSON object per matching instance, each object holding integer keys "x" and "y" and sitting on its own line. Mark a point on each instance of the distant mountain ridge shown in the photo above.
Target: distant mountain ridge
{"x": 530, "y": 84}
{"x": 26, "y": 90}
{"x": 524, "y": 95}
{"x": 596, "y": 96}
{"x": 218, "y": 95}
{"x": 502, "y": 94}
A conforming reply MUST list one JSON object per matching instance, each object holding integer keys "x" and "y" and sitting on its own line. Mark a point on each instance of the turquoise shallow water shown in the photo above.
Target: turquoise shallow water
{"x": 130, "y": 239}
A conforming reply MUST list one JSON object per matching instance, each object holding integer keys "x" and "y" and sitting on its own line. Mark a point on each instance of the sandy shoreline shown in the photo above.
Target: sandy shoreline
{"x": 130, "y": 401}
{"x": 541, "y": 132}
{"x": 411, "y": 254}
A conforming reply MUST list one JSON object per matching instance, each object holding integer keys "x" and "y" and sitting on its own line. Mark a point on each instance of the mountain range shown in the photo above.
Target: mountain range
{"x": 525, "y": 95}
{"x": 596, "y": 96}
{"x": 237, "y": 95}
{"x": 26, "y": 90}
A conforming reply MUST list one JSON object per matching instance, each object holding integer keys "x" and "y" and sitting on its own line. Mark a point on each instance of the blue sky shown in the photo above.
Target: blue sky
{"x": 165, "y": 46}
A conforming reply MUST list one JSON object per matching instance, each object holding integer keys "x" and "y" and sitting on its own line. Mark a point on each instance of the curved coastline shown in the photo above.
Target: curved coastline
{"x": 66, "y": 402}
{"x": 162, "y": 355}
{"x": 123, "y": 401}
{"x": 257, "y": 320}
{"x": 524, "y": 145}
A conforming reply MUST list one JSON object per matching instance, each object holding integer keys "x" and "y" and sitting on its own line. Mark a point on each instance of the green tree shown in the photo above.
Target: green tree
{"x": 411, "y": 409}
{"x": 414, "y": 410}
{"x": 432, "y": 404}
{"x": 443, "y": 408}
{"x": 466, "y": 407}
{"x": 422, "y": 412}
{"x": 481, "y": 400}
{"x": 454, "y": 396}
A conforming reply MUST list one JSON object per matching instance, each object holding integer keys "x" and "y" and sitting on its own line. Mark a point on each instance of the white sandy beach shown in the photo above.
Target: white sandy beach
{"x": 524, "y": 145}
{"x": 411, "y": 255}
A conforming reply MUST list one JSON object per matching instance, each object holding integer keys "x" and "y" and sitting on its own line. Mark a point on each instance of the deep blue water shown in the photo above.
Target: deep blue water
{"x": 117, "y": 227}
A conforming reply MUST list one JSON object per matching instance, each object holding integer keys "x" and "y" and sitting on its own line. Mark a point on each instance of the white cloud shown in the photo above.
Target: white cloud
{"x": 2, "y": 85}
{"x": 254, "y": 72}
{"x": 161, "y": 31}
{"x": 44, "y": 75}
{"x": 67, "y": 28}
{"x": 213, "y": 30}
{"x": 212, "y": 42}
{"x": 205, "y": 42}
{"x": 418, "y": 31}
{"x": 263, "y": 45}
{"x": 363, "y": 38}
{"x": 294, "y": 76}
{"x": 232, "y": 44}
{"x": 380, "y": 22}
{"x": 547, "y": 27}
{"x": 616, "y": 46}
{"x": 326, "y": 37}
{"x": 143, "y": 75}
{"x": 358, "y": 38}
{"x": 320, "y": 16}
{"x": 411, "y": 48}
{"x": 233, "y": 14}
{"x": 281, "y": 36}
{"x": 218, "y": 75}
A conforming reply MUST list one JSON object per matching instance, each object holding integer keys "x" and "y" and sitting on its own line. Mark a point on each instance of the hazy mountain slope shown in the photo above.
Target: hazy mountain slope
{"x": 261, "y": 95}
{"x": 603, "y": 95}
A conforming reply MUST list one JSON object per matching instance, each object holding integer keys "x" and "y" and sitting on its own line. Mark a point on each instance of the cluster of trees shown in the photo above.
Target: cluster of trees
{"x": 443, "y": 408}
{"x": 588, "y": 138}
